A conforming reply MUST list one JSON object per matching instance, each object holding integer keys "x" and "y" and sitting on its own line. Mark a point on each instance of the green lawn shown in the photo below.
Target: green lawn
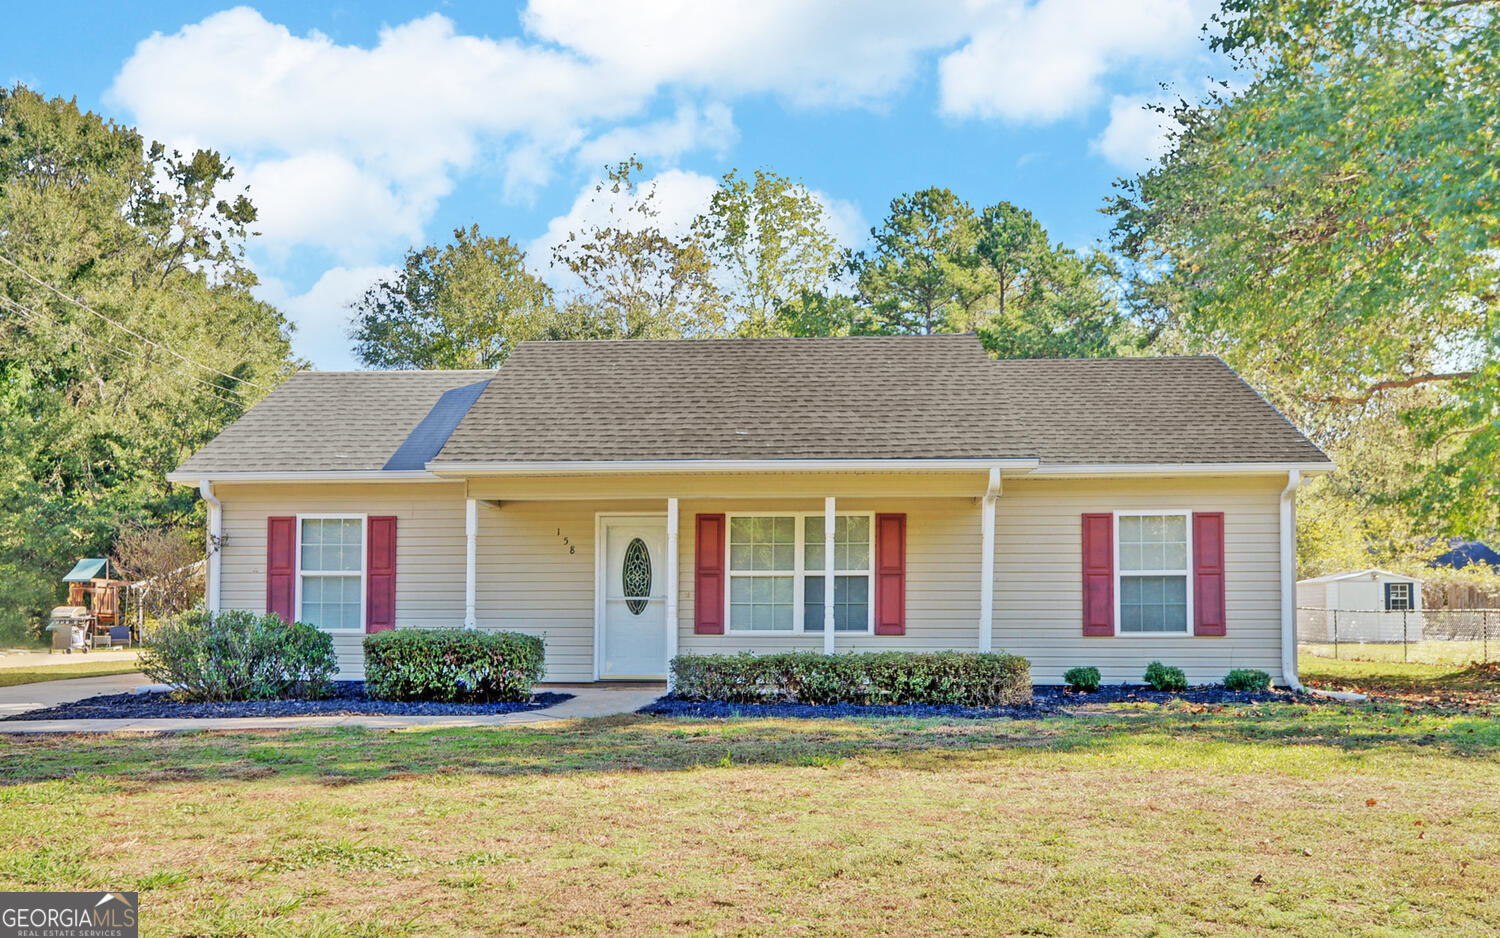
{"x": 1435, "y": 684}
{"x": 1271, "y": 819}
{"x": 59, "y": 672}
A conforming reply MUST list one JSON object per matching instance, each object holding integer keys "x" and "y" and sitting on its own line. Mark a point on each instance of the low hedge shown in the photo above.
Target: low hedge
{"x": 967, "y": 679}
{"x": 452, "y": 665}
{"x": 1249, "y": 680}
{"x": 1166, "y": 677}
{"x": 238, "y": 655}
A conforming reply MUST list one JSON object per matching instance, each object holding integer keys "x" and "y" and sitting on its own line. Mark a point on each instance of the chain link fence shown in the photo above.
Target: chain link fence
{"x": 1421, "y": 636}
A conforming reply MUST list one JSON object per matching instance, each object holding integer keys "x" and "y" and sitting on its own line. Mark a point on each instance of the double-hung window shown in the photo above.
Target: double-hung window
{"x": 777, "y": 569}
{"x": 331, "y": 571}
{"x": 1151, "y": 560}
{"x": 1398, "y": 597}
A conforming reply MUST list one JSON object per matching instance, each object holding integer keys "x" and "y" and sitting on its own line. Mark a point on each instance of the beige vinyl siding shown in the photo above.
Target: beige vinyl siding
{"x": 942, "y": 577}
{"x": 528, "y": 581}
{"x": 429, "y": 547}
{"x": 1038, "y": 574}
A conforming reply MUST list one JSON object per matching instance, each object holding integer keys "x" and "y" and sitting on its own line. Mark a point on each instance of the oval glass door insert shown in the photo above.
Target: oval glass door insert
{"x": 635, "y": 577}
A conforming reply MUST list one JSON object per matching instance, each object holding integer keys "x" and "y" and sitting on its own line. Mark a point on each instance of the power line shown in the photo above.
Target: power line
{"x": 36, "y": 316}
{"x": 152, "y": 342}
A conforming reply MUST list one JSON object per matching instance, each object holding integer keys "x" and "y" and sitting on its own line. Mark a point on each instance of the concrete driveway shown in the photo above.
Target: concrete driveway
{"x": 22, "y": 697}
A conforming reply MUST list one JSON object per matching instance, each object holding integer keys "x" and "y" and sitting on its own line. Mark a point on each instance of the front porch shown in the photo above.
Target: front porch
{"x": 548, "y": 555}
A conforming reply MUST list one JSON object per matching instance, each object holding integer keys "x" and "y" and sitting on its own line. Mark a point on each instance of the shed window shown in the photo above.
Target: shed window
{"x": 331, "y": 571}
{"x": 1152, "y": 552}
{"x": 1398, "y": 596}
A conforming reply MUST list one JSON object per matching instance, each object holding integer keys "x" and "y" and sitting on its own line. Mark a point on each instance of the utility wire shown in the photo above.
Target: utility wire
{"x": 36, "y": 316}
{"x": 152, "y": 342}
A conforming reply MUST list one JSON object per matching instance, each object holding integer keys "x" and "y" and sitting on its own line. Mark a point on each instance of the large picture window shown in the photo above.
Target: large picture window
{"x": 1152, "y": 552}
{"x": 331, "y": 572}
{"x": 776, "y": 573}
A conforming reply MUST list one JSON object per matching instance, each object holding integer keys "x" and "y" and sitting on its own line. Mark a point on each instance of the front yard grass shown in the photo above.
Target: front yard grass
{"x": 1422, "y": 684}
{"x": 1276, "y": 818}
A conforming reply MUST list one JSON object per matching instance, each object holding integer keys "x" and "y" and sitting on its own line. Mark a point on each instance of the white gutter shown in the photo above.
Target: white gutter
{"x": 1289, "y": 580}
{"x": 322, "y": 475}
{"x": 1201, "y": 468}
{"x": 215, "y": 541}
{"x": 1025, "y": 464}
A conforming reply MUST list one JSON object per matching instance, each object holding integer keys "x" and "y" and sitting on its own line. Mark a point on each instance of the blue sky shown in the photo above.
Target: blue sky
{"x": 363, "y": 129}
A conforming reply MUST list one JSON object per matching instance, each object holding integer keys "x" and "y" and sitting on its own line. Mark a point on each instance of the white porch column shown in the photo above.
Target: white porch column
{"x": 471, "y": 543}
{"x": 987, "y": 563}
{"x": 828, "y": 506}
{"x": 671, "y": 561}
{"x": 211, "y": 573}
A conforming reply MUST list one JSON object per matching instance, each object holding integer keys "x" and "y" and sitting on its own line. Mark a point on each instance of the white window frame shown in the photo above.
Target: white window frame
{"x": 798, "y": 575}
{"x": 1405, "y": 585}
{"x": 1186, "y": 572}
{"x": 364, "y": 564}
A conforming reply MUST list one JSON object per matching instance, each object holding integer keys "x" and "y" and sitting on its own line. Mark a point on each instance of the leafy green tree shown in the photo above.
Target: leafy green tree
{"x": 459, "y": 305}
{"x": 1330, "y": 227}
{"x": 638, "y": 281}
{"x": 769, "y": 238}
{"x": 1045, "y": 300}
{"x": 128, "y": 335}
{"x": 920, "y": 274}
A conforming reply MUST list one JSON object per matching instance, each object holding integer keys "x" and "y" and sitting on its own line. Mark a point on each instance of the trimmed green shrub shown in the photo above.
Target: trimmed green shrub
{"x": 452, "y": 665}
{"x": 1085, "y": 679}
{"x": 1165, "y": 677}
{"x": 1250, "y": 680}
{"x": 237, "y": 655}
{"x": 968, "y": 679}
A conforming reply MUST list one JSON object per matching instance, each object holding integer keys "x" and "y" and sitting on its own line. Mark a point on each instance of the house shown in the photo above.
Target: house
{"x": 1362, "y": 606}
{"x": 629, "y": 500}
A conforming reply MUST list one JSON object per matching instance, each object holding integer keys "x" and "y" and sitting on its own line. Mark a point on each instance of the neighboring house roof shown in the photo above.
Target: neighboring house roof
{"x": 329, "y": 420}
{"x": 865, "y": 398}
{"x": 1466, "y": 553}
{"x": 1357, "y": 574}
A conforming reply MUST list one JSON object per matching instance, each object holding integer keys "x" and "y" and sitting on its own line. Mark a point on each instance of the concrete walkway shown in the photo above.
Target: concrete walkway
{"x": 589, "y": 700}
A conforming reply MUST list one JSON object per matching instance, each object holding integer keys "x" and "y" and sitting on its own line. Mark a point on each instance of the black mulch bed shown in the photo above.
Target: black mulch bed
{"x": 348, "y": 699}
{"x": 1046, "y": 701}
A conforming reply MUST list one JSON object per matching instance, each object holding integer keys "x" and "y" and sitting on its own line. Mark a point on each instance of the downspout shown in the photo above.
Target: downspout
{"x": 211, "y": 577}
{"x": 1289, "y": 580}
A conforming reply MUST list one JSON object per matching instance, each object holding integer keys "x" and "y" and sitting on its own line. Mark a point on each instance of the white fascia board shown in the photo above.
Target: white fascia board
{"x": 328, "y": 475}
{"x": 1175, "y": 469}
{"x": 1027, "y": 464}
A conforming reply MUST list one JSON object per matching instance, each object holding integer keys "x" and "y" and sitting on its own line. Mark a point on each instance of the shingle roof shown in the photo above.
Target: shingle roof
{"x": 328, "y": 420}
{"x": 863, "y": 398}
{"x": 936, "y": 397}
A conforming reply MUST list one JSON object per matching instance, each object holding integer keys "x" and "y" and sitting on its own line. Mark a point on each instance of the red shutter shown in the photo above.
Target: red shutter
{"x": 380, "y": 574}
{"x": 1098, "y": 574}
{"x": 708, "y": 581}
{"x": 890, "y": 574}
{"x": 1208, "y": 573}
{"x": 281, "y": 566}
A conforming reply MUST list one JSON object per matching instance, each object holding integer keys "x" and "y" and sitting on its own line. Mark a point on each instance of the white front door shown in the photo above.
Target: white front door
{"x": 630, "y": 597}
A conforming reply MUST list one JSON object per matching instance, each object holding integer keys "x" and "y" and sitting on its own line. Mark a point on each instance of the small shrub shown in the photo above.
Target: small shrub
{"x": 1164, "y": 677}
{"x": 1249, "y": 680}
{"x": 968, "y": 679}
{"x": 237, "y": 655}
{"x": 1085, "y": 679}
{"x": 452, "y": 665}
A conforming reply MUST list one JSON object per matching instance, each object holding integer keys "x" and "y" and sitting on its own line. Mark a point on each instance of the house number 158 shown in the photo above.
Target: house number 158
{"x": 572, "y": 549}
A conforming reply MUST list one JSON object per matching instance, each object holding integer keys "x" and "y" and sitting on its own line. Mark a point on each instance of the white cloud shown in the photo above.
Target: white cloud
{"x": 1047, "y": 60}
{"x": 664, "y": 141}
{"x": 322, "y": 313}
{"x": 1135, "y": 134}
{"x": 812, "y": 52}
{"x": 389, "y": 126}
